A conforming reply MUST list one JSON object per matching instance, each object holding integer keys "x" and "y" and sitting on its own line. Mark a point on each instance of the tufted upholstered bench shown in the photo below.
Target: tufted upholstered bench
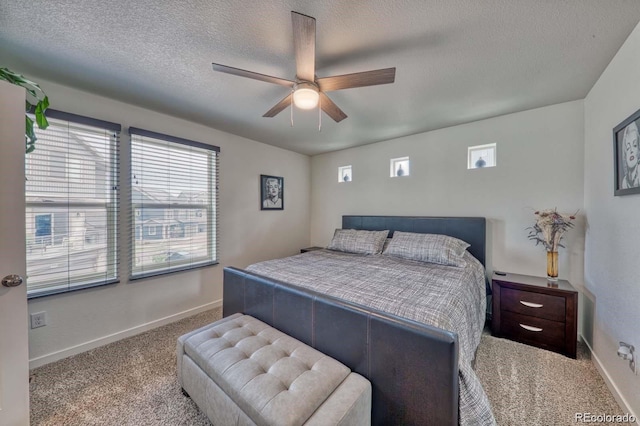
{"x": 241, "y": 371}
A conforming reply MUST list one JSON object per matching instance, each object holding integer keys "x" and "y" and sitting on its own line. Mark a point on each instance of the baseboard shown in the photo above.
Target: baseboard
{"x": 92, "y": 344}
{"x": 610, "y": 383}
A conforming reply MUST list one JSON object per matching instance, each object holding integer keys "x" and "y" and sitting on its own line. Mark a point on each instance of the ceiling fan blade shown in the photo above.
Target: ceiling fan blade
{"x": 253, "y": 75}
{"x": 304, "y": 42}
{"x": 279, "y": 106}
{"x": 331, "y": 109}
{"x": 359, "y": 79}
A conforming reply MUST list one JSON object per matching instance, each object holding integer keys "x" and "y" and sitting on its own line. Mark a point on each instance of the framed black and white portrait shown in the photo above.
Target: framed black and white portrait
{"x": 626, "y": 151}
{"x": 271, "y": 192}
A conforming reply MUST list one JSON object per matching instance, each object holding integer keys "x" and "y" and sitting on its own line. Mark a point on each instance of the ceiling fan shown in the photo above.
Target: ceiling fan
{"x": 308, "y": 90}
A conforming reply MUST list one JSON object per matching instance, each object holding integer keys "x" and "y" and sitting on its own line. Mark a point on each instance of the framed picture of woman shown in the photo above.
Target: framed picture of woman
{"x": 271, "y": 192}
{"x": 626, "y": 151}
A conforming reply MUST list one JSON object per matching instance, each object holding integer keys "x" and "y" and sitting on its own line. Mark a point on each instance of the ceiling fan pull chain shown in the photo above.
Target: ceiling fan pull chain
{"x": 320, "y": 115}
{"x": 292, "y": 108}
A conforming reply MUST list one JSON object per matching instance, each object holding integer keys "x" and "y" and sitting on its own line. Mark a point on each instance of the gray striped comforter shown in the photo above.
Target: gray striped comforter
{"x": 447, "y": 297}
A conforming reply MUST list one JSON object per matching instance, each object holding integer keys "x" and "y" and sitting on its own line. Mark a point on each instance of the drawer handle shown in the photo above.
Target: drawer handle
{"x": 531, "y": 305}
{"x": 528, "y": 327}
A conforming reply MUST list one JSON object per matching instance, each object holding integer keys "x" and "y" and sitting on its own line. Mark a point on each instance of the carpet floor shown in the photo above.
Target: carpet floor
{"x": 530, "y": 386}
{"x": 133, "y": 382}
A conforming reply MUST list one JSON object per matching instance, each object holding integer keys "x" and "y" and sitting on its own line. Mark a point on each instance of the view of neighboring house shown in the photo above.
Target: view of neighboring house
{"x": 69, "y": 202}
{"x": 168, "y": 228}
{"x": 163, "y": 223}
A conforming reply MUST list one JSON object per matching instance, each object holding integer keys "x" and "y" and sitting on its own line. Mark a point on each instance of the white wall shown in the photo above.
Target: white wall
{"x": 540, "y": 165}
{"x": 77, "y": 319}
{"x": 612, "y": 256}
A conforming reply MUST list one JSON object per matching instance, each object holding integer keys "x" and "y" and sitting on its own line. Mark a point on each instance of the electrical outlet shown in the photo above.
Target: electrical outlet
{"x": 38, "y": 319}
{"x": 627, "y": 352}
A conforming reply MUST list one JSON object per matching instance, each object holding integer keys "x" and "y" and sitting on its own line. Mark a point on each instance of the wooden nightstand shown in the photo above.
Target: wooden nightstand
{"x": 304, "y": 250}
{"x": 536, "y": 311}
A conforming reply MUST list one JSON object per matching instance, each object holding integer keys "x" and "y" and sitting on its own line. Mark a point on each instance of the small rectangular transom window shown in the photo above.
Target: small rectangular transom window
{"x": 481, "y": 156}
{"x": 345, "y": 174}
{"x": 399, "y": 167}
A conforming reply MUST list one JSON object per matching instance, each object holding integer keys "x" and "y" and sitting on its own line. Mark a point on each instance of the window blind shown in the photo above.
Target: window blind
{"x": 174, "y": 204}
{"x": 72, "y": 205}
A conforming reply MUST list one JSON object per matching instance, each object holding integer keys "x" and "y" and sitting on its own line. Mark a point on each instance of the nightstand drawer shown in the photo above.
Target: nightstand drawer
{"x": 532, "y": 304}
{"x": 536, "y": 331}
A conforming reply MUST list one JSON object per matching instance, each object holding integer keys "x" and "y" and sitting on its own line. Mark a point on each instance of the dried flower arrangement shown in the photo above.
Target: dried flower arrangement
{"x": 550, "y": 227}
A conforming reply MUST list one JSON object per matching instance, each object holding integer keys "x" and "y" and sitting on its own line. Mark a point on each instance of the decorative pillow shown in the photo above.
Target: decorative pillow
{"x": 432, "y": 248}
{"x": 357, "y": 241}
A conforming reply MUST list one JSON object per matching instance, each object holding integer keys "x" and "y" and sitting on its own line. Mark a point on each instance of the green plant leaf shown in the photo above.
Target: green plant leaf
{"x": 41, "y": 119}
{"x": 30, "y": 135}
{"x": 29, "y": 128}
{"x": 10, "y": 76}
{"x": 19, "y": 77}
{"x": 35, "y": 97}
{"x": 34, "y": 92}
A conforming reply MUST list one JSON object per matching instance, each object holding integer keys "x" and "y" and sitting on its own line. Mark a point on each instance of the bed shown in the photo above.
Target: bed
{"x": 415, "y": 346}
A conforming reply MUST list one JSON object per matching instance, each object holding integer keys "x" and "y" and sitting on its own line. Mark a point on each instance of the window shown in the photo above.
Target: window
{"x": 481, "y": 156}
{"x": 43, "y": 229}
{"x": 345, "y": 174}
{"x": 399, "y": 167}
{"x": 174, "y": 186}
{"x": 72, "y": 205}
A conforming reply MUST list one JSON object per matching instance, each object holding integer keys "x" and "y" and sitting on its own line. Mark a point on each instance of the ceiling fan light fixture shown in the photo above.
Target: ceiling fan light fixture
{"x": 307, "y": 87}
{"x": 305, "y": 95}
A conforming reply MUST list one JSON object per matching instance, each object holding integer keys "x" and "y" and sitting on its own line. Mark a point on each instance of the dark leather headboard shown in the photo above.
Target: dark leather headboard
{"x": 473, "y": 230}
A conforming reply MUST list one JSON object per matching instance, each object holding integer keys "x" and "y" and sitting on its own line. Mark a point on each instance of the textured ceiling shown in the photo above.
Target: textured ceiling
{"x": 457, "y": 61}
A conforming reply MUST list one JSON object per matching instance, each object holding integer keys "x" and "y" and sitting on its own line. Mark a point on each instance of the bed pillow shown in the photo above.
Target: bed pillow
{"x": 386, "y": 244}
{"x": 358, "y": 241}
{"x": 432, "y": 248}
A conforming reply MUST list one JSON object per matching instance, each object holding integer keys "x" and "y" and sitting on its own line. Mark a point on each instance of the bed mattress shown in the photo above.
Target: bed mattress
{"x": 451, "y": 298}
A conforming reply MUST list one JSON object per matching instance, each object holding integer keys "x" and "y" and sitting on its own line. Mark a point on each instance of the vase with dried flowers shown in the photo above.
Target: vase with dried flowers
{"x": 548, "y": 230}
